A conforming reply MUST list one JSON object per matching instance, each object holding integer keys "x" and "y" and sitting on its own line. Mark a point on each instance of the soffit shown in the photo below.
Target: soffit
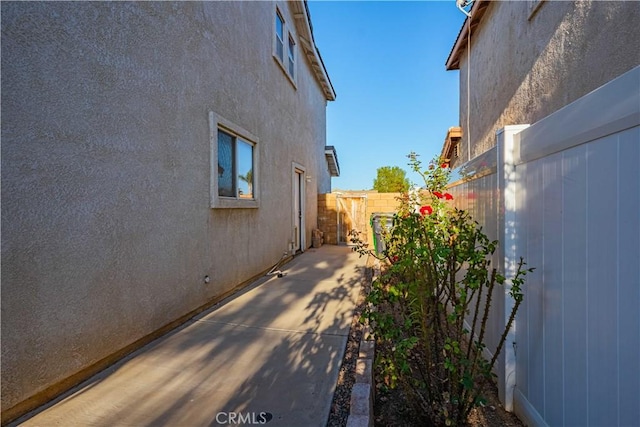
{"x": 478, "y": 10}
{"x": 332, "y": 160}
{"x": 454, "y": 134}
{"x": 311, "y": 52}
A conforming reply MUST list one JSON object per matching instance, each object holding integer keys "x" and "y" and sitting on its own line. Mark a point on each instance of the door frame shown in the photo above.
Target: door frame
{"x": 298, "y": 181}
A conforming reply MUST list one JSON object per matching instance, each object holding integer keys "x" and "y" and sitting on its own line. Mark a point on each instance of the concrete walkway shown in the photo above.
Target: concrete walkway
{"x": 271, "y": 354}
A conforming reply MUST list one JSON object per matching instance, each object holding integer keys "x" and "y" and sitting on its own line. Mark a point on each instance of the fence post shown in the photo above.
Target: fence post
{"x": 507, "y": 153}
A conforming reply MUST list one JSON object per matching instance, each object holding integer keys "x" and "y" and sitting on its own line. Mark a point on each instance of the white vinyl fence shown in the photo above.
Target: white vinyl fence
{"x": 564, "y": 193}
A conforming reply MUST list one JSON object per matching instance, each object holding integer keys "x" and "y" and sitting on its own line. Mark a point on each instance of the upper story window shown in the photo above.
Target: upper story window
{"x": 279, "y": 36}
{"x": 284, "y": 47}
{"x": 292, "y": 56}
{"x": 234, "y": 160}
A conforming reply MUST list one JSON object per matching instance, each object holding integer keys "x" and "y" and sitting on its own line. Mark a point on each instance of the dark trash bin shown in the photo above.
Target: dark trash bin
{"x": 380, "y": 221}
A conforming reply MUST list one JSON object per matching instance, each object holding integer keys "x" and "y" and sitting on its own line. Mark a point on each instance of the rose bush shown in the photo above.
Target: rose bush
{"x": 429, "y": 308}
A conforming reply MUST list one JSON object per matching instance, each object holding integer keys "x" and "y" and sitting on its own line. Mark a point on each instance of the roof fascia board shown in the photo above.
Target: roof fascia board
{"x": 477, "y": 12}
{"x": 454, "y": 134}
{"x": 332, "y": 160}
{"x": 303, "y": 25}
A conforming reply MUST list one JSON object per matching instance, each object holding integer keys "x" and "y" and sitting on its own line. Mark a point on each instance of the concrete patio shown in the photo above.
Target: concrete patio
{"x": 268, "y": 354}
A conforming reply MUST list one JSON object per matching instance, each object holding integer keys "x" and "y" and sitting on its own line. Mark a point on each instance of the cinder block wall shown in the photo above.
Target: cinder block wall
{"x": 328, "y": 217}
{"x": 328, "y": 211}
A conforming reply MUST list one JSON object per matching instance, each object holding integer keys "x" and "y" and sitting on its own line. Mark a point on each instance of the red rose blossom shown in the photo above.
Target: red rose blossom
{"x": 437, "y": 194}
{"x": 426, "y": 210}
{"x": 444, "y": 166}
{"x": 448, "y": 196}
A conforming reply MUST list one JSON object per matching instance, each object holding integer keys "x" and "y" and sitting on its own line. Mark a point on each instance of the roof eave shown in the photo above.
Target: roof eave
{"x": 454, "y": 134}
{"x": 305, "y": 32}
{"x": 332, "y": 160}
{"x": 477, "y": 12}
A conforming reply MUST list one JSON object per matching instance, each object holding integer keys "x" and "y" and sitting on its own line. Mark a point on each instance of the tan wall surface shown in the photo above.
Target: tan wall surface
{"x": 328, "y": 212}
{"x": 521, "y": 70}
{"x": 328, "y": 217}
{"x": 107, "y": 233}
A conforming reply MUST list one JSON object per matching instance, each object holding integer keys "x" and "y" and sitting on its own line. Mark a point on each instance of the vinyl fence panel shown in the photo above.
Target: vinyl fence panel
{"x": 564, "y": 193}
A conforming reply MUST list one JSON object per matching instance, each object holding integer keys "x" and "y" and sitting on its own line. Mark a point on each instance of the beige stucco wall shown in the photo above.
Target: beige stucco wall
{"x": 522, "y": 69}
{"x": 107, "y": 233}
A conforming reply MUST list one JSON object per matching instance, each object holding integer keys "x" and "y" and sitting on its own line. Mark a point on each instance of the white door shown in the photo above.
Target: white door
{"x": 298, "y": 210}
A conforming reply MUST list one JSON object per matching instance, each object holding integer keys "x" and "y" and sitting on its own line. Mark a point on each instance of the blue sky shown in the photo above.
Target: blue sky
{"x": 386, "y": 62}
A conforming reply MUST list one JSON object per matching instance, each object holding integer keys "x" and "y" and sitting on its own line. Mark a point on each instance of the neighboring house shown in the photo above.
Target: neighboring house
{"x": 451, "y": 146}
{"x": 155, "y": 157}
{"x": 531, "y": 58}
{"x": 549, "y": 151}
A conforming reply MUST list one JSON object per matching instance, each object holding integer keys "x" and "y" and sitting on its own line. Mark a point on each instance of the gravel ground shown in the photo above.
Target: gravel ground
{"x": 347, "y": 377}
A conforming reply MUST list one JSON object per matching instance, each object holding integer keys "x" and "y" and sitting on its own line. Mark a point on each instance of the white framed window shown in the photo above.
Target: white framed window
{"x": 234, "y": 165}
{"x": 279, "y": 40}
{"x": 292, "y": 57}
{"x": 284, "y": 47}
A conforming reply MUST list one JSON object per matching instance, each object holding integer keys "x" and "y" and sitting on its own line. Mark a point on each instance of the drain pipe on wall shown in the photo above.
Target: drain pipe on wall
{"x": 465, "y": 7}
{"x": 469, "y": 88}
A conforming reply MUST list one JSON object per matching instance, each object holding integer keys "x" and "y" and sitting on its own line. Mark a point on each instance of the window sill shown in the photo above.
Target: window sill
{"x": 230, "y": 203}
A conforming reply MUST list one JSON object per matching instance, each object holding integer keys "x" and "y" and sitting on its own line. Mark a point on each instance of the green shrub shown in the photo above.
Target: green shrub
{"x": 437, "y": 274}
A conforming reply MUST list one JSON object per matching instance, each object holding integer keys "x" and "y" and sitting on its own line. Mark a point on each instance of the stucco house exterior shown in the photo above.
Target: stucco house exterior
{"x": 531, "y": 58}
{"x": 156, "y": 156}
{"x": 548, "y": 154}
